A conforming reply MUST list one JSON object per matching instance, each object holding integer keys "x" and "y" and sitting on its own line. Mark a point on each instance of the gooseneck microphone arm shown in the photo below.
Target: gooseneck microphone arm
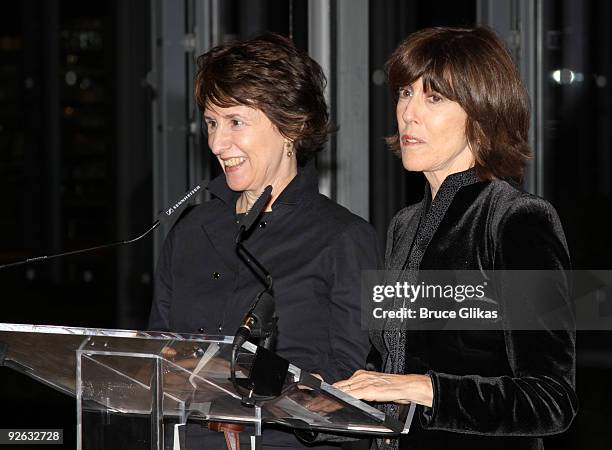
{"x": 262, "y": 270}
{"x": 260, "y": 320}
{"x": 83, "y": 250}
{"x": 246, "y": 224}
{"x": 167, "y": 217}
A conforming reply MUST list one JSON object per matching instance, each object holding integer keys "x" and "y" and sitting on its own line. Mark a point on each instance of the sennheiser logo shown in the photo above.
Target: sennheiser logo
{"x": 183, "y": 200}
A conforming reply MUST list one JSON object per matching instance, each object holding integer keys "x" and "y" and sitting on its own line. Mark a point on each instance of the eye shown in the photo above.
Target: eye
{"x": 237, "y": 123}
{"x": 405, "y": 92}
{"x": 435, "y": 98}
{"x": 211, "y": 125}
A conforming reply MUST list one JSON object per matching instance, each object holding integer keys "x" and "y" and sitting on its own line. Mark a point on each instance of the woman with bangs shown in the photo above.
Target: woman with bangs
{"x": 463, "y": 120}
{"x": 266, "y": 117}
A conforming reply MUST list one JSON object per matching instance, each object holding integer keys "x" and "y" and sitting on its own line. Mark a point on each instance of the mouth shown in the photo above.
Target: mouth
{"x": 233, "y": 162}
{"x": 407, "y": 139}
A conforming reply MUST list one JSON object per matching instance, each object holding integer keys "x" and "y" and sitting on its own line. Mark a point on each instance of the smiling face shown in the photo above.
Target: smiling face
{"x": 432, "y": 133}
{"x": 248, "y": 146}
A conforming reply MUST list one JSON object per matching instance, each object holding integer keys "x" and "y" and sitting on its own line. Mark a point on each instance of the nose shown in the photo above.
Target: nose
{"x": 219, "y": 140}
{"x": 410, "y": 110}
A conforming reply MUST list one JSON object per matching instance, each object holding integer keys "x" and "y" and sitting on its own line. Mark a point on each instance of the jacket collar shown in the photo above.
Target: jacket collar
{"x": 427, "y": 217}
{"x": 304, "y": 184}
{"x": 451, "y": 185}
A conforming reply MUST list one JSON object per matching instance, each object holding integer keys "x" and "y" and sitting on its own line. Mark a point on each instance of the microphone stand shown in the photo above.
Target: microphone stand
{"x": 84, "y": 250}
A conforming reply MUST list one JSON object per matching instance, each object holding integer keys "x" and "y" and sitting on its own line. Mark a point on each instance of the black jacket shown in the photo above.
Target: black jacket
{"x": 492, "y": 389}
{"x": 314, "y": 248}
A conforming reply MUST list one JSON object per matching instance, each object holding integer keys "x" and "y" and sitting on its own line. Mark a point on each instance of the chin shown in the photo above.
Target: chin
{"x": 235, "y": 184}
{"x": 414, "y": 165}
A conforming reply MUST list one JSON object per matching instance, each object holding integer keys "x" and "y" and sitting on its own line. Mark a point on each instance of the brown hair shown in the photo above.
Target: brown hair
{"x": 269, "y": 73}
{"x": 473, "y": 68}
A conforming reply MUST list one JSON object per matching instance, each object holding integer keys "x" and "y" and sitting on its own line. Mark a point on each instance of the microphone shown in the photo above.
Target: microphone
{"x": 167, "y": 217}
{"x": 260, "y": 320}
{"x": 246, "y": 224}
{"x": 261, "y": 312}
{"x": 171, "y": 214}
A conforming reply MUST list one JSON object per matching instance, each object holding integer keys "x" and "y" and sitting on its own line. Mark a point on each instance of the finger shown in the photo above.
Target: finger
{"x": 367, "y": 389}
{"x": 359, "y": 372}
{"x": 356, "y": 390}
{"x": 356, "y": 374}
{"x": 356, "y": 377}
{"x": 352, "y": 391}
{"x": 341, "y": 384}
{"x": 344, "y": 389}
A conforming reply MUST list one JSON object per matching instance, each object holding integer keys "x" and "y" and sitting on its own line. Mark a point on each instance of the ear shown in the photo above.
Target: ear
{"x": 473, "y": 131}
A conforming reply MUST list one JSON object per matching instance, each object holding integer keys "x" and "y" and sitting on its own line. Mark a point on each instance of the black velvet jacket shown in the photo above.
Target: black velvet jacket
{"x": 492, "y": 389}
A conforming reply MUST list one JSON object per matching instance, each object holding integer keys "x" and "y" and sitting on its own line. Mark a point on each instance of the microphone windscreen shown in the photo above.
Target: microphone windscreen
{"x": 169, "y": 215}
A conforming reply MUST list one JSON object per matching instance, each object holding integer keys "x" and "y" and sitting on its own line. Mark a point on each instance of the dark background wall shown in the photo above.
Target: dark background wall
{"x": 75, "y": 171}
{"x": 76, "y": 166}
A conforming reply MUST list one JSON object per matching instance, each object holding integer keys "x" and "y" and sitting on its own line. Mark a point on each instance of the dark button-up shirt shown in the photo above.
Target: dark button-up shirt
{"x": 314, "y": 248}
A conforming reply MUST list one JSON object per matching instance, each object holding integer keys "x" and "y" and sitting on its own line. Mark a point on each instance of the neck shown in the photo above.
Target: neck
{"x": 434, "y": 182}
{"x": 279, "y": 183}
{"x": 464, "y": 161}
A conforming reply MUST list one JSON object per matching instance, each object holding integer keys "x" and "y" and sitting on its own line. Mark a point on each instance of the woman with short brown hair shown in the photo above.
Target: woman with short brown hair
{"x": 463, "y": 118}
{"x": 265, "y": 113}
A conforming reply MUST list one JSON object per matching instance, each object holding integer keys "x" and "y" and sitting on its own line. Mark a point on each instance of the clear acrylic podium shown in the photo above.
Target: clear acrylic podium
{"x": 139, "y": 388}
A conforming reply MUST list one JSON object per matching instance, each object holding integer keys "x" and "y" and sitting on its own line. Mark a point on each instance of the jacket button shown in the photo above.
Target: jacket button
{"x": 262, "y": 224}
{"x": 201, "y": 330}
{"x": 216, "y": 275}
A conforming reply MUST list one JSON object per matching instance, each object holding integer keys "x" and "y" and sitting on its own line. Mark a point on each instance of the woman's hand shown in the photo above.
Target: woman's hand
{"x": 388, "y": 387}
